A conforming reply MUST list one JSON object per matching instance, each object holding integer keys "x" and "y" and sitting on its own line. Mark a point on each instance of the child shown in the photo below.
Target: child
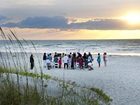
{"x": 90, "y": 66}
{"x": 99, "y": 60}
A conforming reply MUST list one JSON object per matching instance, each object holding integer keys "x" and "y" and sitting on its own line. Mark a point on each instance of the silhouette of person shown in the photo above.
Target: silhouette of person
{"x": 105, "y": 58}
{"x": 99, "y": 60}
{"x": 31, "y": 61}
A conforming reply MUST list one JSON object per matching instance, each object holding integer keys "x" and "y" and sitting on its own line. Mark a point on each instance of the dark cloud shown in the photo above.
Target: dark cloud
{"x": 9, "y": 25}
{"x": 62, "y": 23}
{"x": 41, "y": 22}
{"x": 2, "y": 18}
{"x": 47, "y": 22}
{"x": 103, "y": 24}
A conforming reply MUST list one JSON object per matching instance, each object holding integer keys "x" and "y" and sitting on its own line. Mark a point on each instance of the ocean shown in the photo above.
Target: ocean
{"x": 112, "y": 47}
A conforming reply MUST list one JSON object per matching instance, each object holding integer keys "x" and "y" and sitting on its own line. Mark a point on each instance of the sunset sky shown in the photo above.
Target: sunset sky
{"x": 71, "y": 19}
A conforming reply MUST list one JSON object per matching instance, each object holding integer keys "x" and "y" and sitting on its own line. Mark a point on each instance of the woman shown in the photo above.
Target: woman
{"x": 31, "y": 62}
{"x": 60, "y": 62}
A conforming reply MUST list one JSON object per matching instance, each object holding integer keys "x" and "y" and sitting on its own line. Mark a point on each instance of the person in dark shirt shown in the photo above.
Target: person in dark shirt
{"x": 73, "y": 61}
{"x": 44, "y": 59}
{"x": 99, "y": 59}
{"x": 85, "y": 58}
{"x": 31, "y": 61}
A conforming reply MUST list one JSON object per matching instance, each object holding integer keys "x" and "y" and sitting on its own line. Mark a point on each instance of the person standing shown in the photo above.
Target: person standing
{"x": 73, "y": 61}
{"x": 48, "y": 62}
{"x": 55, "y": 60}
{"x": 60, "y": 62}
{"x": 31, "y": 61}
{"x": 85, "y": 58}
{"x": 50, "y": 57}
{"x": 69, "y": 60}
{"x": 81, "y": 60}
{"x": 99, "y": 60}
{"x": 65, "y": 60}
{"x": 44, "y": 59}
{"x": 105, "y": 58}
{"x": 90, "y": 58}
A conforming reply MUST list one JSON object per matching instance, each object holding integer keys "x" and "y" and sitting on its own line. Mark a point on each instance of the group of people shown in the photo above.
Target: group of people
{"x": 70, "y": 61}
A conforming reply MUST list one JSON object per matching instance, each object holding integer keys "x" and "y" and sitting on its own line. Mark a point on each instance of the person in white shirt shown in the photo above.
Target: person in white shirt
{"x": 65, "y": 60}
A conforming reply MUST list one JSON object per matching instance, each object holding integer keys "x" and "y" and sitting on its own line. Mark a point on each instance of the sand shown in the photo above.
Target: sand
{"x": 120, "y": 79}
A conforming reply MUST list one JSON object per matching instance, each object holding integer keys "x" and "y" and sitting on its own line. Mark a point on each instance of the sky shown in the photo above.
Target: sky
{"x": 71, "y": 19}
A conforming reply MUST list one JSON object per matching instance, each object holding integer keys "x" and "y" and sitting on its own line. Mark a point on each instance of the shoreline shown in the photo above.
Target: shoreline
{"x": 108, "y": 54}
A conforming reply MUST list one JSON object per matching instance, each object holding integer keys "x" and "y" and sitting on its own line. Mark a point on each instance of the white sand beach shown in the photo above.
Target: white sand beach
{"x": 120, "y": 79}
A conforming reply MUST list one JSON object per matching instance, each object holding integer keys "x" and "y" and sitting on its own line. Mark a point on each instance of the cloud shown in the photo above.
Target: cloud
{"x": 47, "y": 22}
{"x": 41, "y": 22}
{"x": 3, "y": 18}
{"x": 59, "y": 22}
{"x": 101, "y": 24}
{"x": 70, "y": 8}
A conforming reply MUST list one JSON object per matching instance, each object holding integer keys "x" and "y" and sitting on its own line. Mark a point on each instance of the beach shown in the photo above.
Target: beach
{"x": 120, "y": 79}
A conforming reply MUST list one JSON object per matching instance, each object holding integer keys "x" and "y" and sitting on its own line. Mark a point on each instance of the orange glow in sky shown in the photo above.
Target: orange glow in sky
{"x": 77, "y": 34}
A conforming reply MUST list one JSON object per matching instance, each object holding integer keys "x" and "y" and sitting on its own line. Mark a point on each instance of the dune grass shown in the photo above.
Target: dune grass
{"x": 67, "y": 86}
{"x": 10, "y": 95}
{"x": 23, "y": 73}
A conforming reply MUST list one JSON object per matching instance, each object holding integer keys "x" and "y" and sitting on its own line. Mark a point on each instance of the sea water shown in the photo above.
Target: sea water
{"x": 112, "y": 47}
